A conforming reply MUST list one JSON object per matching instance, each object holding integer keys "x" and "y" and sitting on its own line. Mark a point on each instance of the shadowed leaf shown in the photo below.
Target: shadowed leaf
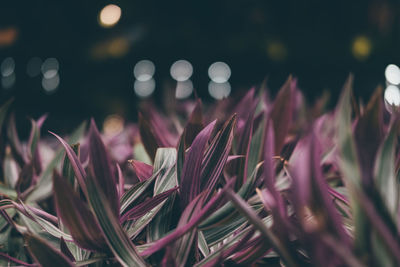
{"x": 281, "y": 114}
{"x": 44, "y": 254}
{"x": 102, "y": 169}
{"x": 76, "y": 216}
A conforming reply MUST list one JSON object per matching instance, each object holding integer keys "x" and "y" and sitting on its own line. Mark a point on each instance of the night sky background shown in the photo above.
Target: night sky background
{"x": 313, "y": 40}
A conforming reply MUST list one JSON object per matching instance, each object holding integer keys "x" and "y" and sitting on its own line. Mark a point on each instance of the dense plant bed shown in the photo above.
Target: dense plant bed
{"x": 255, "y": 181}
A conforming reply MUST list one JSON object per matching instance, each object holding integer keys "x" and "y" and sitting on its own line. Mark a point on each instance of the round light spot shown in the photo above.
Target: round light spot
{"x": 51, "y": 84}
{"x": 219, "y": 72}
{"x": 361, "y": 47}
{"x": 219, "y": 90}
{"x": 144, "y": 70}
{"x": 392, "y": 95}
{"x": 7, "y": 67}
{"x": 113, "y": 124}
{"x": 144, "y": 88}
{"x": 181, "y": 70}
{"x": 33, "y": 67}
{"x": 50, "y": 68}
{"x": 184, "y": 89}
{"x": 8, "y": 81}
{"x": 109, "y": 15}
{"x": 392, "y": 74}
{"x": 276, "y": 51}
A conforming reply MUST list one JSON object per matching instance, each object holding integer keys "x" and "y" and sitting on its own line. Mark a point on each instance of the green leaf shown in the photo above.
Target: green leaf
{"x": 385, "y": 176}
{"x": 44, "y": 187}
{"x": 161, "y": 224}
{"x": 256, "y": 148}
{"x": 228, "y": 209}
{"x": 258, "y": 224}
{"x": 202, "y": 244}
{"x": 67, "y": 170}
{"x": 165, "y": 176}
{"x": 164, "y": 157}
{"x": 118, "y": 241}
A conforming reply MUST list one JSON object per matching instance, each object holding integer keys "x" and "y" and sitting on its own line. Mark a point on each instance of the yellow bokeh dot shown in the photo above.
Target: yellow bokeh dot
{"x": 361, "y": 47}
{"x": 276, "y": 51}
{"x": 109, "y": 15}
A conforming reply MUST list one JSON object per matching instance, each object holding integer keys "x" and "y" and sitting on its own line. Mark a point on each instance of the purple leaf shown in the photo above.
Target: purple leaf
{"x": 142, "y": 170}
{"x": 117, "y": 239}
{"x": 146, "y": 206}
{"x": 281, "y": 114}
{"x": 76, "y": 216}
{"x": 368, "y": 135}
{"x": 149, "y": 140}
{"x": 194, "y": 125}
{"x": 311, "y": 194}
{"x": 258, "y": 224}
{"x": 205, "y": 211}
{"x": 15, "y": 260}
{"x": 216, "y": 156}
{"x": 44, "y": 254}
{"x": 80, "y": 173}
{"x": 244, "y": 145}
{"x": 100, "y": 164}
{"x": 190, "y": 184}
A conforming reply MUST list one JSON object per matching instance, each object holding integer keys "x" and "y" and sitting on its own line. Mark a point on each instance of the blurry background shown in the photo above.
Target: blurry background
{"x": 76, "y": 59}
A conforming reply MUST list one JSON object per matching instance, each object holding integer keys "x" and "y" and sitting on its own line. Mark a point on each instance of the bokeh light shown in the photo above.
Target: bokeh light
{"x": 33, "y": 67}
{"x": 51, "y": 84}
{"x": 276, "y": 51}
{"x": 181, "y": 70}
{"x": 50, "y": 68}
{"x": 219, "y": 90}
{"x": 361, "y": 47}
{"x": 144, "y": 89}
{"x": 219, "y": 72}
{"x": 7, "y": 67}
{"x": 109, "y": 15}
{"x": 392, "y": 74}
{"x": 113, "y": 124}
{"x": 144, "y": 70}
{"x": 8, "y": 81}
{"x": 184, "y": 89}
{"x": 392, "y": 95}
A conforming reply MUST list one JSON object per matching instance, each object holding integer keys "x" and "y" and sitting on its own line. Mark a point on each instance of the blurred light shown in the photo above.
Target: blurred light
{"x": 144, "y": 70}
{"x": 51, "y": 84}
{"x": 50, "y": 68}
{"x": 8, "y": 81}
{"x": 392, "y": 74}
{"x": 181, "y": 70}
{"x": 392, "y": 95}
{"x": 113, "y": 125}
{"x": 8, "y": 36}
{"x": 109, "y": 15}
{"x": 219, "y": 72}
{"x": 144, "y": 88}
{"x": 184, "y": 89}
{"x": 7, "y": 66}
{"x": 33, "y": 67}
{"x": 219, "y": 90}
{"x": 361, "y": 47}
{"x": 276, "y": 51}
{"x": 118, "y": 47}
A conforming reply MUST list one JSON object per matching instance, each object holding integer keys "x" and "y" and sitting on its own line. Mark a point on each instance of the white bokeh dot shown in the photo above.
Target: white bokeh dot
{"x": 181, "y": 70}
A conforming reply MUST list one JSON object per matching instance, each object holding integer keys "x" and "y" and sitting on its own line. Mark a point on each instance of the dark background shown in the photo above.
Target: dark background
{"x": 314, "y": 38}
